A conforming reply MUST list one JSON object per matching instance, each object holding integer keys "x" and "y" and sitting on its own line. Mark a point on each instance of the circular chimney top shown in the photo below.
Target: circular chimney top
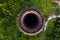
{"x": 30, "y": 20}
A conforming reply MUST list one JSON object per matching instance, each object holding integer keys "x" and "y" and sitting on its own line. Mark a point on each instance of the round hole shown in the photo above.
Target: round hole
{"x": 30, "y": 20}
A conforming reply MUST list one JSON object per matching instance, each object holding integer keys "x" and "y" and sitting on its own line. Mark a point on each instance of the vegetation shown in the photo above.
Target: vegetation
{"x": 9, "y": 10}
{"x": 53, "y": 30}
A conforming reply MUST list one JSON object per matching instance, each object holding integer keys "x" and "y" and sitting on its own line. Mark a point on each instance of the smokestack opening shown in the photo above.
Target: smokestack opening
{"x": 31, "y": 20}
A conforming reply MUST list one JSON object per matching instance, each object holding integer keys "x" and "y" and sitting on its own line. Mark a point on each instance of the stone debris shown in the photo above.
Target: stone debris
{"x": 58, "y": 2}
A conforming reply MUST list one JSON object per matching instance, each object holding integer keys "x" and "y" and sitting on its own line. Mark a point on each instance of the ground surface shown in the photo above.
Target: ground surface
{"x": 9, "y": 10}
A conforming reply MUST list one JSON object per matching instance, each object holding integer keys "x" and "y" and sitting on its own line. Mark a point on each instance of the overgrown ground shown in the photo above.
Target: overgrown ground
{"x": 53, "y": 30}
{"x": 9, "y": 10}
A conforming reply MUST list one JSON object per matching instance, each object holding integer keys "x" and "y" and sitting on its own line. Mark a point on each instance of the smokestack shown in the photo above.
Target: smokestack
{"x": 30, "y": 20}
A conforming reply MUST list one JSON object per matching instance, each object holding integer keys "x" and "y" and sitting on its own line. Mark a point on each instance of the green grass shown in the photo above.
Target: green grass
{"x": 9, "y": 10}
{"x": 53, "y": 30}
